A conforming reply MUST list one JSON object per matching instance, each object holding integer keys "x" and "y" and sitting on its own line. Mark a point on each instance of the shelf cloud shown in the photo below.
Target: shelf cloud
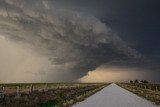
{"x": 57, "y": 44}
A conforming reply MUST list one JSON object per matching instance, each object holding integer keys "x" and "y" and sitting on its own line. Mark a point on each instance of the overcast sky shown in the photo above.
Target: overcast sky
{"x": 78, "y": 40}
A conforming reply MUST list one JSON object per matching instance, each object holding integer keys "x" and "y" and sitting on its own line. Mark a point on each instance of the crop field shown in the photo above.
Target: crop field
{"x": 46, "y": 94}
{"x": 149, "y": 91}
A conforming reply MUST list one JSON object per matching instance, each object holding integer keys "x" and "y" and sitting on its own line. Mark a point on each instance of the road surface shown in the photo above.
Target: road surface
{"x": 114, "y": 96}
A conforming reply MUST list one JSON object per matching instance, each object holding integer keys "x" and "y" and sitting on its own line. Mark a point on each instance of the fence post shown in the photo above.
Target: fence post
{"x": 1, "y": 92}
{"x": 156, "y": 88}
{"x": 3, "y": 88}
{"x": 18, "y": 91}
{"x": 46, "y": 89}
{"x": 31, "y": 89}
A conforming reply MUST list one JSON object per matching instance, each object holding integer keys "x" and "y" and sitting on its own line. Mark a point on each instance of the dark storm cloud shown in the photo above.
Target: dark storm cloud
{"x": 74, "y": 41}
{"x": 136, "y": 22}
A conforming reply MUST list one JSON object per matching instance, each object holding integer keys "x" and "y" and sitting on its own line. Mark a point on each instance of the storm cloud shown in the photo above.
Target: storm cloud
{"x": 67, "y": 43}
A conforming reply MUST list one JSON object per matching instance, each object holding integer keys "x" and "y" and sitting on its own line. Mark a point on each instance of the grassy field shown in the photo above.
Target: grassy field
{"x": 149, "y": 91}
{"x": 46, "y": 94}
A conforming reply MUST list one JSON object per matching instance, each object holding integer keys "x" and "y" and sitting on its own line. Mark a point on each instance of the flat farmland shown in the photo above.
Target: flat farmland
{"x": 79, "y": 95}
{"x": 46, "y": 94}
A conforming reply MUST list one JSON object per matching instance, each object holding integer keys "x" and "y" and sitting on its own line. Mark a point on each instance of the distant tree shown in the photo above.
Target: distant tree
{"x": 145, "y": 81}
{"x": 136, "y": 81}
{"x": 142, "y": 81}
{"x": 131, "y": 81}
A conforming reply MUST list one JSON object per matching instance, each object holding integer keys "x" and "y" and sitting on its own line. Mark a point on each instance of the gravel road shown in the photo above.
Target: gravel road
{"x": 114, "y": 96}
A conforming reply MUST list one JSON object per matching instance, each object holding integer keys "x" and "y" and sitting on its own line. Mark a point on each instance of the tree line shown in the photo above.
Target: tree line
{"x": 137, "y": 81}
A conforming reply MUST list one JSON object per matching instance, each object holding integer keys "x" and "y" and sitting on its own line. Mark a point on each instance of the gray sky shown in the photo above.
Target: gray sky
{"x": 74, "y": 40}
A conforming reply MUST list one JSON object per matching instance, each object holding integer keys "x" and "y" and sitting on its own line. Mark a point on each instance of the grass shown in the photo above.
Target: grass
{"x": 150, "y": 94}
{"x": 53, "y": 95}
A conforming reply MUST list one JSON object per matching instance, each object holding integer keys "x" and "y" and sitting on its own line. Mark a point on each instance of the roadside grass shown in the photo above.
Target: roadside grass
{"x": 47, "y": 94}
{"x": 149, "y": 94}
